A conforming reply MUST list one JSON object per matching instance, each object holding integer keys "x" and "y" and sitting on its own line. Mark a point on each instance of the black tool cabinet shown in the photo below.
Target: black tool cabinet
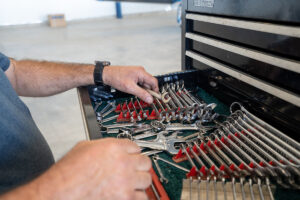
{"x": 236, "y": 50}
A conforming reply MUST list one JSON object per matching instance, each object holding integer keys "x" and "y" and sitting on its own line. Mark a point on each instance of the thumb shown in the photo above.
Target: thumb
{"x": 142, "y": 94}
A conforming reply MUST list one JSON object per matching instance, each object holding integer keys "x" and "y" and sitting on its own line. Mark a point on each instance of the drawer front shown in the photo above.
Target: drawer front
{"x": 274, "y": 10}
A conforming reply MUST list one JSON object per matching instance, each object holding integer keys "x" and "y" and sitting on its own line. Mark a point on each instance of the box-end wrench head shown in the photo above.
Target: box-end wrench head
{"x": 160, "y": 96}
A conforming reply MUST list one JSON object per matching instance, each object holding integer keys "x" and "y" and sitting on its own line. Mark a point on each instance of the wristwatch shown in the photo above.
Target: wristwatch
{"x": 98, "y": 71}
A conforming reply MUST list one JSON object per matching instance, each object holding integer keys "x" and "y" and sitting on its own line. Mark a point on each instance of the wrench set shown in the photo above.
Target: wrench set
{"x": 237, "y": 157}
{"x": 175, "y": 104}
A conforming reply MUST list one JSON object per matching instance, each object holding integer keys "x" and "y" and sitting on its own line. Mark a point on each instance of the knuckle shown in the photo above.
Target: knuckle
{"x": 127, "y": 86}
{"x": 112, "y": 146}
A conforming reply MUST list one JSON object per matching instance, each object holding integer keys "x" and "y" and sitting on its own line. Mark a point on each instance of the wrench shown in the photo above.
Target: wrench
{"x": 260, "y": 189}
{"x": 152, "y": 152}
{"x": 207, "y": 188}
{"x": 109, "y": 104}
{"x": 291, "y": 166}
{"x": 159, "y": 96}
{"x": 144, "y": 113}
{"x": 120, "y": 125}
{"x": 224, "y": 188}
{"x": 228, "y": 161}
{"x": 172, "y": 87}
{"x": 161, "y": 143}
{"x": 253, "y": 153}
{"x": 251, "y": 189}
{"x": 207, "y": 159}
{"x": 170, "y": 163}
{"x": 233, "y": 188}
{"x": 242, "y": 188}
{"x": 110, "y": 118}
{"x": 155, "y": 192}
{"x": 269, "y": 188}
{"x": 199, "y": 183}
{"x": 271, "y": 143}
{"x": 280, "y": 167}
{"x": 138, "y": 116}
{"x": 162, "y": 178}
{"x": 233, "y": 154}
{"x": 173, "y": 96}
{"x": 97, "y": 105}
{"x": 189, "y": 157}
{"x": 163, "y": 110}
{"x": 258, "y": 169}
{"x": 215, "y": 188}
{"x": 108, "y": 112}
{"x": 197, "y": 158}
{"x": 130, "y": 113}
{"x": 144, "y": 135}
{"x": 278, "y": 133}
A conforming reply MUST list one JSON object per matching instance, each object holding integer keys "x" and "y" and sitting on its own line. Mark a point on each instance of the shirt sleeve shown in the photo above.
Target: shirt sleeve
{"x": 4, "y": 62}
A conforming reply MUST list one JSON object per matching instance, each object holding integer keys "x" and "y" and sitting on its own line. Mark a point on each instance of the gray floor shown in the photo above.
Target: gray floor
{"x": 151, "y": 40}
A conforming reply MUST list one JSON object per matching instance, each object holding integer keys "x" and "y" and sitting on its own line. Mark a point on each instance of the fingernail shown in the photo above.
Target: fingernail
{"x": 149, "y": 100}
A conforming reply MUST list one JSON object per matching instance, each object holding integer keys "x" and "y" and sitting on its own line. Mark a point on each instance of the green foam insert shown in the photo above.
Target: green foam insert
{"x": 174, "y": 175}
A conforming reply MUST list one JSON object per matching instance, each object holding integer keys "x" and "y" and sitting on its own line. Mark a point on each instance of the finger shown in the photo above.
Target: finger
{"x": 140, "y": 195}
{"x": 147, "y": 79}
{"x": 141, "y": 93}
{"x": 142, "y": 180}
{"x": 129, "y": 146}
{"x": 141, "y": 162}
{"x": 146, "y": 86}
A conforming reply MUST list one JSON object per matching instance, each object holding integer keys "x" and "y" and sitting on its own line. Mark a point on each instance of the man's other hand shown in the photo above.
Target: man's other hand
{"x": 128, "y": 79}
{"x": 104, "y": 169}
{"x": 93, "y": 170}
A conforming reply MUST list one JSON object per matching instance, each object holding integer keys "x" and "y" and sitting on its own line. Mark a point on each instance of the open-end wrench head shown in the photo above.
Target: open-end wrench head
{"x": 172, "y": 86}
{"x": 166, "y": 86}
{"x": 170, "y": 145}
{"x": 181, "y": 83}
{"x": 177, "y": 85}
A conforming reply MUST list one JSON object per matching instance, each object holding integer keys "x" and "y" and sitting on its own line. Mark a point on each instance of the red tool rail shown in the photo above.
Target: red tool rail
{"x": 159, "y": 188}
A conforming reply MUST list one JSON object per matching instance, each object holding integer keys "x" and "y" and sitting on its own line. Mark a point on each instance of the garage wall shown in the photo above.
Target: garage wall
{"x": 16, "y": 12}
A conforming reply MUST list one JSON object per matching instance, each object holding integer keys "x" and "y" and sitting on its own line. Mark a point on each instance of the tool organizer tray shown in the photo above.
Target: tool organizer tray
{"x": 175, "y": 176}
{"x": 246, "y": 52}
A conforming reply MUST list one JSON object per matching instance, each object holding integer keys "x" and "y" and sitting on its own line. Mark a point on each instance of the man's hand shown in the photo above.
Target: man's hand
{"x": 40, "y": 78}
{"x": 103, "y": 169}
{"x": 126, "y": 79}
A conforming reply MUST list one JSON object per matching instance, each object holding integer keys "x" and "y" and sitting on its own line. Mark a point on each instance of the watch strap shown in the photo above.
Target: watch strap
{"x": 98, "y": 71}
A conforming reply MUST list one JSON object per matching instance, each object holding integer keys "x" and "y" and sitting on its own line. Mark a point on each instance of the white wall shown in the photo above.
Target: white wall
{"x": 14, "y": 12}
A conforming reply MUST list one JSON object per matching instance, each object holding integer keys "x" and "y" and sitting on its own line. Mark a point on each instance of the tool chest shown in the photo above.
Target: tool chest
{"x": 235, "y": 128}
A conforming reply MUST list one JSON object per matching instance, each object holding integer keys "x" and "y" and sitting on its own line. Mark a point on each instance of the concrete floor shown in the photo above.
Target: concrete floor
{"x": 149, "y": 40}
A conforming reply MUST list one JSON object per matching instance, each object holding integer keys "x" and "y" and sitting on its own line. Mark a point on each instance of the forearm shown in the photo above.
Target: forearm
{"x": 26, "y": 192}
{"x": 41, "y": 78}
